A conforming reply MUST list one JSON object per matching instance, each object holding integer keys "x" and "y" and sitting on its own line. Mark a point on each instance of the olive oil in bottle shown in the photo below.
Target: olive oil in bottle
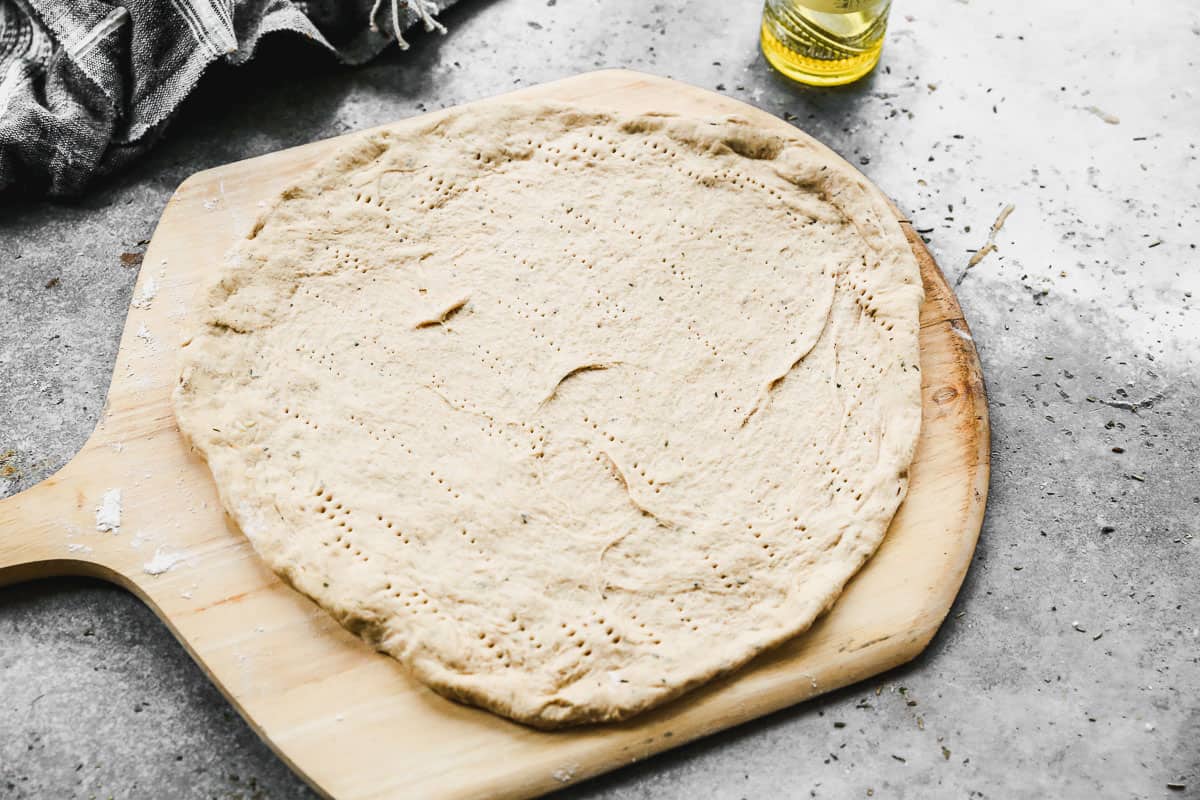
{"x": 824, "y": 42}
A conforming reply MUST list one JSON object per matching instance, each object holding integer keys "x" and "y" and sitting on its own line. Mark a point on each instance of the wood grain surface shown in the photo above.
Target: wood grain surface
{"x": 349, "y": 719}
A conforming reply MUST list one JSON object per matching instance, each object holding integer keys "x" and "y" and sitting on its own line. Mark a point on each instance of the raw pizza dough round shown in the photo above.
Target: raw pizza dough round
{"x": 568, "y": 411}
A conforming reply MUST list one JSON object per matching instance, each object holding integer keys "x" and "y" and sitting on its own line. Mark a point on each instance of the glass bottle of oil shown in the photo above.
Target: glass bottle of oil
{"x": 824, "y": 42}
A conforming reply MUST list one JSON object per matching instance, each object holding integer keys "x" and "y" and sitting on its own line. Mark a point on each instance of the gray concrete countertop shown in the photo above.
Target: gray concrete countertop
{"x": 1070, "y": 665}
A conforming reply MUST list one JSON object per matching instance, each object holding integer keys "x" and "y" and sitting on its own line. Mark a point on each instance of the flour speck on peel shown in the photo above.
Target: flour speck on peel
{"x": 145, "y": 335}
{"x": 75, "y": 547}
{"x": 108, "y": 513}
{"x": 146, "y": 296}
{"x": 566, "y": 773}
{"x": 162, "y": 562}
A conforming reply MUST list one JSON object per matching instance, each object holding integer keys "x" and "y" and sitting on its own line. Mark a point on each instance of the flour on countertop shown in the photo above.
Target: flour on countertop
{"x": 108, "y": 513}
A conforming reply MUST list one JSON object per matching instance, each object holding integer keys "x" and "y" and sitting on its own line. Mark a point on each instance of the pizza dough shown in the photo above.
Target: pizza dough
{"x": 567, "y": 411}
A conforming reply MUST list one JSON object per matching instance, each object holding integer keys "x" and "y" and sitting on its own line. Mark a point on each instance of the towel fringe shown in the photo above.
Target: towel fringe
{"x": 424, "y": 9}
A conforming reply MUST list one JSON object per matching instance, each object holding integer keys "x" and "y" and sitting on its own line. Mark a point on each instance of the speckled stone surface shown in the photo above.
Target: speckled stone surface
{"x": 1070, "y": 665}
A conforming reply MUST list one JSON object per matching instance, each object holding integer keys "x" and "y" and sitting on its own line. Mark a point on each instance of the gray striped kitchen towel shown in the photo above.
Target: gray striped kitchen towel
{"x": 87, "y": 85}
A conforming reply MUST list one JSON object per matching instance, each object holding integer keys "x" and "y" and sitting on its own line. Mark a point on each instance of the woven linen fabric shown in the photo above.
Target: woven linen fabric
{"x": 86, "y": 85}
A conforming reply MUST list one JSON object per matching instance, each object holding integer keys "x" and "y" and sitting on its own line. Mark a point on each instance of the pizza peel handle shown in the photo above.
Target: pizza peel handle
{"x": 53, "y": 528}
{"x": 28, "y": 522}
{"x": 161, "y": 513}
